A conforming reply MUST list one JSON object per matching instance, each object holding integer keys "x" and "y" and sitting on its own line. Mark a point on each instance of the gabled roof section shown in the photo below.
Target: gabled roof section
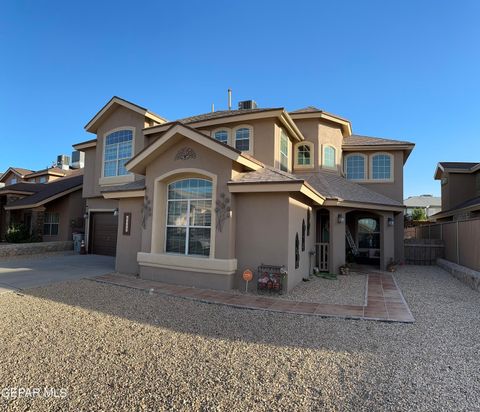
{"x": 48, "y": 192}
{"x": 358, "y": 142}
{"x": 313, "y": 112}
{"x": 228, "y": 116}
{"x": 340, "y": 190}
{"x": 114, "y": 102}
{"x": 85, "y": 145}
{"x": 172, "y": 135}
{"x": 455, "y": 167}
{"x": 16, "y": 170}
{"x": 25, "y": 188}
{"x": 53, "y": 171}
{"x": 423, "y": 201}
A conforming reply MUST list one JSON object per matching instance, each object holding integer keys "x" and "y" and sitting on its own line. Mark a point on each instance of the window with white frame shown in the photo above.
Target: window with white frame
{"x": 50, "y": 224}
{"x": 304, "y": 155}
{"x": 118, "y": 151}
{"x": 189, "y": 217}
{"x": 381, "y": 167}
{"x": 355, "y": 167}
{"x": 329, "y": 156}
{"x": 242, "y": 139}
{"x": 13, "y": 180}
{"x": 221, "y": 136}
{"x": 284, "y": 151}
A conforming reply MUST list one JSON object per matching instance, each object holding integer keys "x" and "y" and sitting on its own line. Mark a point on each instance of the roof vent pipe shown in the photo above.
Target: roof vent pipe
{"x": 229, "y": 99}
{"x": 213, "y": 107}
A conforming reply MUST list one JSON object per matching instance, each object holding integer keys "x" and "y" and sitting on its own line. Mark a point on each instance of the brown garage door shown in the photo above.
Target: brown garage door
{"x": 103, "y": 233}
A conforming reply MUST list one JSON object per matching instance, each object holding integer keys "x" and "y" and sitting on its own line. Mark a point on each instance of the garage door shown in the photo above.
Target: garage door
{"x": 103, "y": 233}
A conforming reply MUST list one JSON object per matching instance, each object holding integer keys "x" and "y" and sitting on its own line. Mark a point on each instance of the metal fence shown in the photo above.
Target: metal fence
{"x": 461, "y": 239}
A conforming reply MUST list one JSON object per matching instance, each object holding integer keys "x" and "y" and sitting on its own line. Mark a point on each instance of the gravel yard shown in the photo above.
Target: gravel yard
{"x": 345, "y": 290}
{"x": 117, "y": 349}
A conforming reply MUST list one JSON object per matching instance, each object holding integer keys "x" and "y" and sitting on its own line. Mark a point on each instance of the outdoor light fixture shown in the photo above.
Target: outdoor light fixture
{"x": 391, "y": 222}
{"x": 85, "y": 215}
{"x": 340, "y": 218}
{"x": 115, "y": 212}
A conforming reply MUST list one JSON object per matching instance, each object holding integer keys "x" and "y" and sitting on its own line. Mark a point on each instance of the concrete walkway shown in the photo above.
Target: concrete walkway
{"x": 385, "y": 301}
{"x": 33, "y": 271}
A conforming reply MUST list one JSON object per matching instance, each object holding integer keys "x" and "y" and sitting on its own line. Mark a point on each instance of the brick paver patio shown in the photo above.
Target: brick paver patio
{"x": 384, "y": 301}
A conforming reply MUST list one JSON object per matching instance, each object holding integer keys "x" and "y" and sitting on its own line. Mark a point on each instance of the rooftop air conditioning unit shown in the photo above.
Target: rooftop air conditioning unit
{"x": 247, "y": 105}
{"x": 63, "y": 162}
{"x": 78, "y": 160}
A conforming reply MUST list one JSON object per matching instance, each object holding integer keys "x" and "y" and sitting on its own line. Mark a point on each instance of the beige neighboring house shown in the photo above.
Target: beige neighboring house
{"x": 198, "y": 200}
{"x": 460, "y": 184}
{"x": 17, "y": 175}
{"x": 428, "y": 203}
{"x": 49, "y": 211}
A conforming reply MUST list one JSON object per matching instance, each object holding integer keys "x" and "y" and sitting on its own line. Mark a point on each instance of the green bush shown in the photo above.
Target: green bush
{"x": 17, "y": 233}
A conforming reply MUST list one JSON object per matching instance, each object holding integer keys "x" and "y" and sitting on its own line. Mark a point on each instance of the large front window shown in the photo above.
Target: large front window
{"x": 50, "y": 224}
{"x": 189, "y": 217}
{"x": 284, "y": 152}
{"x": 118, "y": 151}
{"x": 355, "y": 167}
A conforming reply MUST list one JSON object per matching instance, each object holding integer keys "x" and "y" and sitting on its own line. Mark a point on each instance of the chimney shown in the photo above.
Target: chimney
{"x": 229, "y": 99}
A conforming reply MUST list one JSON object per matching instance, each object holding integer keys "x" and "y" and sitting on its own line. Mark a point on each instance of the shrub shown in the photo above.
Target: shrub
{"x": 17, "y": 233}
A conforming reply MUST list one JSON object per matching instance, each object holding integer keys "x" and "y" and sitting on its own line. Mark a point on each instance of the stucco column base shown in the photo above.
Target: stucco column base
{"x": 337, "y": 240}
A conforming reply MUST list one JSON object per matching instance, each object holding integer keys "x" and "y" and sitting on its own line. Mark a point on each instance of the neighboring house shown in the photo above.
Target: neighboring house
{"x": 428, "y": 203}
{"x": 460, "y": 184}
{"x": 50, "y": 211}
{"x": 17, "y": 175}
{"x": 199, "y": 200}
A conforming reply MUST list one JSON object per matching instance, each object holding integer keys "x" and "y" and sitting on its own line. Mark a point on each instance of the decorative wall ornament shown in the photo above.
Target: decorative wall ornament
{"x": 146, "y": 210}
{"x": 222, "y": 210}
{"x": 185, "y": 153}
{"x": 297, "y": 252}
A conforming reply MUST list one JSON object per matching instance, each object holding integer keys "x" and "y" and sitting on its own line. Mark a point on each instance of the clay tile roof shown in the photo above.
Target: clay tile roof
{"x": 48, "y": 190}
{"x": 458, "y": 165}
{"x": 220, "y": 114}
{"x": 136, "y": 185}
{"x": 334, "y": 186}
{"x": 265, "y": 175}
{"x": 357, "y": 140}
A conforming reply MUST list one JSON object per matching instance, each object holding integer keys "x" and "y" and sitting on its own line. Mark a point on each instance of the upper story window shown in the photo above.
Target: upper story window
{"x": 284, "y": 141}
{"x": 189, "y": 217}
{"x": 43, "y": 179}
{"x": 221, "y": 136}
{"x": 118, "y": 151}
{"x": 355, "y": 166}
{"x": 304, "y": 155}
{"x": 329, "y": 156}
{"x": 381, "y": 166}
{"x": 243, "y": 138}
{"x": 13, "y": 180}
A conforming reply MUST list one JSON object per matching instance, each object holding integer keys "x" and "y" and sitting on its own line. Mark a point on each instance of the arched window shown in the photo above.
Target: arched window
{"x": 297, "y": 252}
{"x": 329, "y": 156}
{"x": 221, "y": 136}
{"x": 304, "y": 155}
{"x": 118, "y": 151}
{"x": 381, "y": 167}
{"x": 189, "y": 217}
{"x": 308, "y": 221}
{"x": 355, "y": 167}
{"x": 243, "y": 136}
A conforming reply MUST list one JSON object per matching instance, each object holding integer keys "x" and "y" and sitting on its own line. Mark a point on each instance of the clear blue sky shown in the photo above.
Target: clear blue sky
{"x": 407, "y": 70}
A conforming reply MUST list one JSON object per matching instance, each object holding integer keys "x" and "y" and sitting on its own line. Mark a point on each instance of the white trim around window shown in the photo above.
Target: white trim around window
{"x": 251, "y": 138}
{"x": 311, "y": 146}
{"x": 371, "y": 168}
{"x": 112, "y": 180}
{"x": 335, "y": 156}
{"x": 365, "y": 163}
{"x": 223, "y": 129}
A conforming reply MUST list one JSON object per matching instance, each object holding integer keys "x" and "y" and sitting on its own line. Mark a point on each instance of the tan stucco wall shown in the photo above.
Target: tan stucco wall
{"x": 120, "y": 117}
{"x": 205, "y": 160}
{"x": 262, "y": 232}
{"x": 129, "y": 245}
{"x": 321, "y": 133}
{"x": 70, "y": 207}
{"x": 297, "y": 212}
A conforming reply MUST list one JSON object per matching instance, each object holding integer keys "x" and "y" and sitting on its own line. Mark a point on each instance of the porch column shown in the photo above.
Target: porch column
{"x": 337, "y": 239}
{"x": 387, "y": 240}
{"x": 38, "y": 217}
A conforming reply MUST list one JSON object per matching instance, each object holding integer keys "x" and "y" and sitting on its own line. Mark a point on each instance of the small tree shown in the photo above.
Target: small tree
{"x": 419, "y": 214}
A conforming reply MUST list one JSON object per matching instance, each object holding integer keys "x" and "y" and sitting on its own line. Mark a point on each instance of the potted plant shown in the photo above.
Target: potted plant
{"x": 344, "y": 269}
{"x": 392, "y": 266}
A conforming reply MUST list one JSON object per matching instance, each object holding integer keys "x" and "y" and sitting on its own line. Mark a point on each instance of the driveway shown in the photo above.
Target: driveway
{"x": 32, "y": 272}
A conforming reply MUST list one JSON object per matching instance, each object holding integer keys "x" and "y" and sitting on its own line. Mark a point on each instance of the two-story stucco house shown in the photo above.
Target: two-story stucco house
{"x": 198, "y": 200}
